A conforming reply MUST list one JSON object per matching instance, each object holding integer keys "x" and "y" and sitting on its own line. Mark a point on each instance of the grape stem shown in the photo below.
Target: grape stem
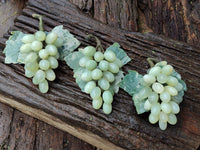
{"x": 99, "y": 47}
{"x": 151, "y": 61}
{"x": 41, "y": 24}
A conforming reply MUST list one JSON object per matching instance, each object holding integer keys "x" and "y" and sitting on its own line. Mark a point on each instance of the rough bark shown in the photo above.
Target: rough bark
{"x": 65, "y": 100}
{"x": 116, "y": 13}
{"x": 177, "y": 19}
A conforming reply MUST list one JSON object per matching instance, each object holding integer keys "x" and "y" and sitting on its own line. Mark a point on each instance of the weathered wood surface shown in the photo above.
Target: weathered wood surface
{"x": 19, "y": 131}
{"x": 68, "y": 104}
{"x": 9, "y": 11}
{"x": 177, "y": 19}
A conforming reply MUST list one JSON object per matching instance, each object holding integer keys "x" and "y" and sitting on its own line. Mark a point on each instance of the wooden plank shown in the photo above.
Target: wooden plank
{"x": 54, "y": 121}
{"x": 8, "y": 11}
{"x": 174, "y": 18}
{"x": 65, "y": 102}
{"x": 22, "y": 127}
{"x": 6, "y": 114}
{"x": 48, "y": 137}
{"x": 116, "y": 13}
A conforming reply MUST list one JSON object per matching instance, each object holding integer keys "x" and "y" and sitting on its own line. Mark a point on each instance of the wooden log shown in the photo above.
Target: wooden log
{"x": 67, "y": 108}
{"x": 178, "y": 19}
{"x": 116, "y": 13}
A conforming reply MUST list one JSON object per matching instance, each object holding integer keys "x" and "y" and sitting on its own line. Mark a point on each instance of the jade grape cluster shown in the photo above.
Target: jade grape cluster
{"x": 99, "y": 73}
{"x": 160, "y": 90}
{"x": 40, "y": 56}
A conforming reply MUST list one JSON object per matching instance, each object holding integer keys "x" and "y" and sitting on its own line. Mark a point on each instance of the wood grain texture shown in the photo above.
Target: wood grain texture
{"x": 66, "y": 102}
{"x": 9, "y": 11}
{"x": 116, "y": 13}
{"x": 178, "y": 19}
{"x": 49, "y": 136}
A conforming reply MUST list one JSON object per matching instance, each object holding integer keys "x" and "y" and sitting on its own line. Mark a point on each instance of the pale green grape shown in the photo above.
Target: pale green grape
{"x": 155, "y": 109}
{"x": 167, "y": 69}
{"x": 118, "y": 62}
{"x": 113, "y": 68}
{"x": 172, "y": 81}
{"x": 86, "y": 76}
{"x": 142, "y": 82}
{"x": 97, "y": 103}
{"x": 107, "y": 108}
{"x": 59, "y": 42}
{"x": 57, "y": 56}
{"x": 53, "y": 62}
{"x": 95, "y": 93}
{"x": 31, "y": 57}
{"x": 89, "y": 87}
{"x": 162, "y": 78}
{"x": 40, "y": 76}
{"x": 157, "y": 87}
{"x": 40, "y": 36}
{"x": 104, "y": 65}
{"x": 98, "y": 56}
{"x": 32, "y": 66}
{"x": 166, "y": 107}
{"x": 153, "y": 118}
{"x": 107, "y": 97}
{"x": 97, "y": 74}
{"x": 83, "y": 61}
{"x": 149, "y": 78}
{"x": 44, "y": 86}
{"x": 147, "y": 105}
{"x": 153, "y": 97}
{"x": 177, "y": 99}
{"x": 144, "y": 92}
{"x": 91, "y": 64}
{"x": 50, "y": 75}
{"x": 29, "y": 73}
{"x": 109, "y": 76}
{"x": 51, "y": 38}
{"x": 155, "y": 71}
{"x": 172, "y": 119}
{"x": 136, "y": 97}
{"x": 89, "y": 51}
{"x": 110, "y": 56}
{"x": 161, "y": 63}
{"x": 28, "y": 38}
{"x": 51, "y": 49}
{"x": 165, "y": 96}
{"x": 163, "y": 117}
{"x": 103, "y": 84}
{"x": 175, "y": 107}
{"x": 179, "y": 87}
{"x": 36, "y": 45}
{"x": 35, "y": 80}
{"x": 44, "y": 64}
{"x": 111, "y": 91}
{"x": 162, "y": 125}
{"x": 25, "y": 48}
{"x": 43, "y": 54}
{"x": 171, "y": 90}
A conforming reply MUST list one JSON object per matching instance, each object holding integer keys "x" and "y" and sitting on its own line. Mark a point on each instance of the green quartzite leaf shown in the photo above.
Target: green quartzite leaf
{"x": 178, "y": 76}
{"x": 70, "y": 43}
{"x": 131, "y": 82}
{"x": 72, "y": 60}
{"x": 12, "y": 47}
{"x": 139, "y": 105}
{"x": 118, "y": 79}
{"x": 77, "y": 74}
{"x": 119, "y": 53}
